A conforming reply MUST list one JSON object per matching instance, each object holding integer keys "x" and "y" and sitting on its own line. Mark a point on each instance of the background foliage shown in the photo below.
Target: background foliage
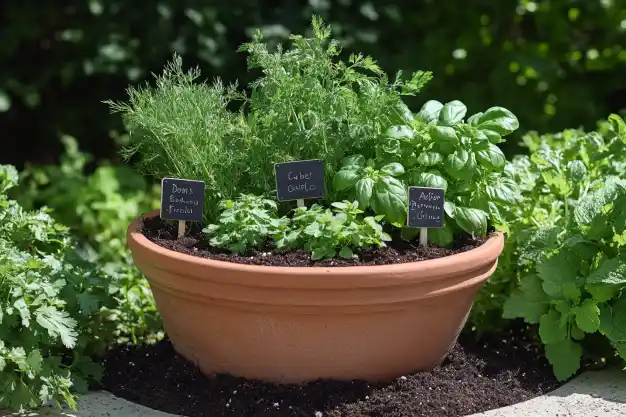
{"x": 553, "y": 63}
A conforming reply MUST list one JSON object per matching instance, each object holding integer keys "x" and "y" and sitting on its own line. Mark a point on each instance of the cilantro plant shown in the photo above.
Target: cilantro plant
{"x": 98, "y": 208}
{"x": 50, "y": 308}
{"x": 438, "y": 147}
{"x": 307, "y": 104}
{"x": 570, "y": 244}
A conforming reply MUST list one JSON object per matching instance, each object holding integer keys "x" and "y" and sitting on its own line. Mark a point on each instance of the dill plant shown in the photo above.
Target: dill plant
{"x": 307, "y": 104}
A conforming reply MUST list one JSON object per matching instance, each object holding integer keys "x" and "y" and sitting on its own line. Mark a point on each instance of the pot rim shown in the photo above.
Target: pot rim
{"x": 476, "y": 257}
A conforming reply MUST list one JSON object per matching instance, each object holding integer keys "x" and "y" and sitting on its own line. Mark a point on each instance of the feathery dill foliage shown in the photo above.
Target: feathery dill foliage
{"x": 182, "y": 128}
{"x": 307, "y": 104}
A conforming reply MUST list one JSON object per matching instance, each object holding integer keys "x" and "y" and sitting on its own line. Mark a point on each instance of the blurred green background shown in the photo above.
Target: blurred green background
{"x": 555, "y": 64}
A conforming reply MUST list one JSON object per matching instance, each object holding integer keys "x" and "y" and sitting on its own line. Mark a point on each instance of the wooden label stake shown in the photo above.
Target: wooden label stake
{"x": 423, "y": 236}
{"x": 181, "y": 228}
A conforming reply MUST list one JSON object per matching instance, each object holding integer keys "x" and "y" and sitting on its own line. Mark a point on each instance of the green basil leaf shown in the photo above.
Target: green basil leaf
{"x": 449, "y": 207}
{"x": 364, "y": 188}
{"x": 402, "y": 114}
{"x": 452, "y": 113}
{"x": 473, "y": 119}
{"x": 499, "y": 120}
{"x": 442, "y": 236}
{"x": 345, "y": 178}
{"x": 429, "y": 112}
{"x": 494, "y": 137}
{"x": 455, "y": 162}
{"x": 460, "y": 163}
{"x": 429, "y": 159}
{"x": 353, "y": 162}
{"x": 428, "y": 179}
{"x": 473, "y": 221}
{"x": 399, "y": 132}
{"x": 444, "y": 134}
{"x": 492, "y": 158}
{"x": 394, "y": 169}
{"x": 389, "y": 198}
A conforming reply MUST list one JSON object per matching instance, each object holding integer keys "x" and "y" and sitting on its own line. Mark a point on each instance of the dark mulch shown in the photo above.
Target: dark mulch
{"x": 165, "y": 233}
{"x": 474, "y": 378}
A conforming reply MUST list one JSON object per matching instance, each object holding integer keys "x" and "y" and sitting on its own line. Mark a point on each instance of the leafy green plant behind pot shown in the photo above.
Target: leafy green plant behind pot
{"x": 437, "y": 148}
{"x": 570, "y": 239}
{"x": 98, "y": 207}
{"x": 307, "y": 104}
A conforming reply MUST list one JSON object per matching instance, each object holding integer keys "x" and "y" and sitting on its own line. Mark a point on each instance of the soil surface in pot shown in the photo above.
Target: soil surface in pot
{"x": 475, "y": 377}
{"x": 165, "y": 233}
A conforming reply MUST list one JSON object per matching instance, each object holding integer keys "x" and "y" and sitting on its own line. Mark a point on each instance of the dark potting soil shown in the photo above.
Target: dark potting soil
{"x": 164, "y": 234}
{"x": 475, "y": 377}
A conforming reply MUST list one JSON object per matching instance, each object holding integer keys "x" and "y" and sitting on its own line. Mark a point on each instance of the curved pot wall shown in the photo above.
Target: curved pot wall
{"x": 286, "y": 324}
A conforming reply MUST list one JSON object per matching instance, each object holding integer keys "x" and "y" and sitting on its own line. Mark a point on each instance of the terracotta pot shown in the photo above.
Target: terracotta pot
{"x": 285, "y": 324}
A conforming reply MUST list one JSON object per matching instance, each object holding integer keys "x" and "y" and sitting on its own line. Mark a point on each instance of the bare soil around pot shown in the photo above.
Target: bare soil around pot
{"x": 398, "y": 251}
{"x": 476, "y": 377}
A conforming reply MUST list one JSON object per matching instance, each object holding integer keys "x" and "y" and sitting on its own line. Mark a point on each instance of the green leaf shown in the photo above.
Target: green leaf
{"x": 577, "y": 170}
{"x": 591, "y": 204}
{"x": 618, "y": 126}
{"x": 529, "y": 301}
{"x": 394, "y": 169}
{"x": 613, "y": 320}
{"x": 428, "y": 179}
{"x": 364, "y": 188}
{"x": 444, "y": 134}
{"x": 458, "y": 163}
{"x": 609, "y": 271}
{"x": 442, "y": 236}
{"x": 346, "y": 253}
{"x": 58, "y": 324}
{"x": 429, "y": 159}
{"x": 473, "y": 119}
{"x": 452, "y": 113}
{"x": 557, "y": 271}
{"x": 491, "y": 158}
{"x": 430, "y": 111}
{"x": 550, "y": 329}
{"x": 345, "y": 179}
{"x": 399, "y": 132}
{"x": 588, "y": 316}
{"x": 493, "y": 137}
{"x": 88, "y": 303}
{"x": 502, "y": 190}
{"x": 499, "y": 120}
{"x": 473, "y": 221}
{"x": 389, "y": 198}
{"x": 353, "y": 162}
{"x": 564, "y": 356}
{"x": 602, "y": 292}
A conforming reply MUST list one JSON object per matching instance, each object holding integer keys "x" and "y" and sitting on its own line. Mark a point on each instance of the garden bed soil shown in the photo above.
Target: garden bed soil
{"x": 164, "y": 234}
{"x": 475, "y": 377}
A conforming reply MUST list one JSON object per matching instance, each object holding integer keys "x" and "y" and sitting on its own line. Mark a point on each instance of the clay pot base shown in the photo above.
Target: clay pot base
{"x": 165, "y": 233}
{"x": 499, "y": 371}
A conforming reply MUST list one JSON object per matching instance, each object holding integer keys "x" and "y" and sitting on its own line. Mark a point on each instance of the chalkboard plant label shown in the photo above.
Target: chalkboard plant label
{"x": 425, "y": 209}
{"x": 182, "y": 200}
{"x": 299, "y": 180}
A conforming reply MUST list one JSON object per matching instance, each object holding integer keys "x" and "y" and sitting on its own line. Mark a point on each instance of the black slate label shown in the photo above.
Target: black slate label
{"x": 182, "y": 199}
{"x": 425, "y": 207}
{"x": 299, "y": 180}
